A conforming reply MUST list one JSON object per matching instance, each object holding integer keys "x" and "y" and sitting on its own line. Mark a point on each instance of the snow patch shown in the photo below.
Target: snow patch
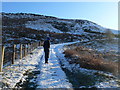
{"x": 12, "y": 74}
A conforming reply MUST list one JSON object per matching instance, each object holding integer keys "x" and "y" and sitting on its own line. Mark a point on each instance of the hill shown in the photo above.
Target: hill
{"x": 27, "y": 27}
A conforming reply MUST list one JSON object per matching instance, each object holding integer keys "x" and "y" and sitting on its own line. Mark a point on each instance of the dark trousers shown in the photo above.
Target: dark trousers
{"x": 46, "y": 55}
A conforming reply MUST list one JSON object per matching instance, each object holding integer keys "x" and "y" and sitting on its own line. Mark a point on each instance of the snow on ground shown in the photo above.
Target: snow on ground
{"x": 13, "y": 74}
{"x": 46, "y": 25}
{"x": 115, "y": 31}
{"x": 112, "y": 83}
{"x": 51, "y": 74}
{"x": 39, "y": 25}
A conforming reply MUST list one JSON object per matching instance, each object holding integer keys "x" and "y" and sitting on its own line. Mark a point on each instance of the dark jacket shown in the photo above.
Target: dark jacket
{"x": 46, "y": 44}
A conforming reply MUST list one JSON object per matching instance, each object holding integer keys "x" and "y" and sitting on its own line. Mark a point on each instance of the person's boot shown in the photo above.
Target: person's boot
{"x": 46, "y": 61}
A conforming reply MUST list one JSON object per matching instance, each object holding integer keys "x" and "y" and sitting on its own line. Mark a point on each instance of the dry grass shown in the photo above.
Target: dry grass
{"x": 89, "y": 59}
{"x": 21, "y": 32}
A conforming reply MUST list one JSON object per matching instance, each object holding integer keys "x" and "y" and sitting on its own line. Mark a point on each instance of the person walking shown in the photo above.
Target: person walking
{"x": 46, "y": 49}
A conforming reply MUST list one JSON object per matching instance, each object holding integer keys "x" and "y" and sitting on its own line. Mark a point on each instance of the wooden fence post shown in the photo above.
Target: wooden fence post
{"x": 25, "y": 50}
{"x": 20, "y": 51}
{"x": 2, "y": 58}
{"x": 28, "y": 48}
{"x": 14, "y": 46}
{"x": 39, "y": 43}
{"x": 32, "y": 46}
{"x": 35, "y": 45}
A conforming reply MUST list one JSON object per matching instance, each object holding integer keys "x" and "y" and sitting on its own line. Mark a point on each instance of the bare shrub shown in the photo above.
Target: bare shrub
{"x": 90, "y": 59}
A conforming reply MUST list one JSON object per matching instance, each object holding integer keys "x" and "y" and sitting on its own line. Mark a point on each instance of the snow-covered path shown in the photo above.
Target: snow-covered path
{"x": 51, "y": 74}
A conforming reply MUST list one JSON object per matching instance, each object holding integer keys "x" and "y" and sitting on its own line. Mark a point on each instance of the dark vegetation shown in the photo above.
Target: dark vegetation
{"x": 15, "y": 32}
{"x": 61, "y": 26}
{"x": 89, "y": 59}
{"x": 81, "y": 80}
{"x": 31, "y": 35}
{"x": 30, "y": 82}
{"x": 13, "y": 22}
{"x": 22, "y": 35}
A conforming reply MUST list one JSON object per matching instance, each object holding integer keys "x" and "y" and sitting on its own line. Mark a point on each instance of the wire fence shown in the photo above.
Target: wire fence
{"x": 17, "y": 51}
